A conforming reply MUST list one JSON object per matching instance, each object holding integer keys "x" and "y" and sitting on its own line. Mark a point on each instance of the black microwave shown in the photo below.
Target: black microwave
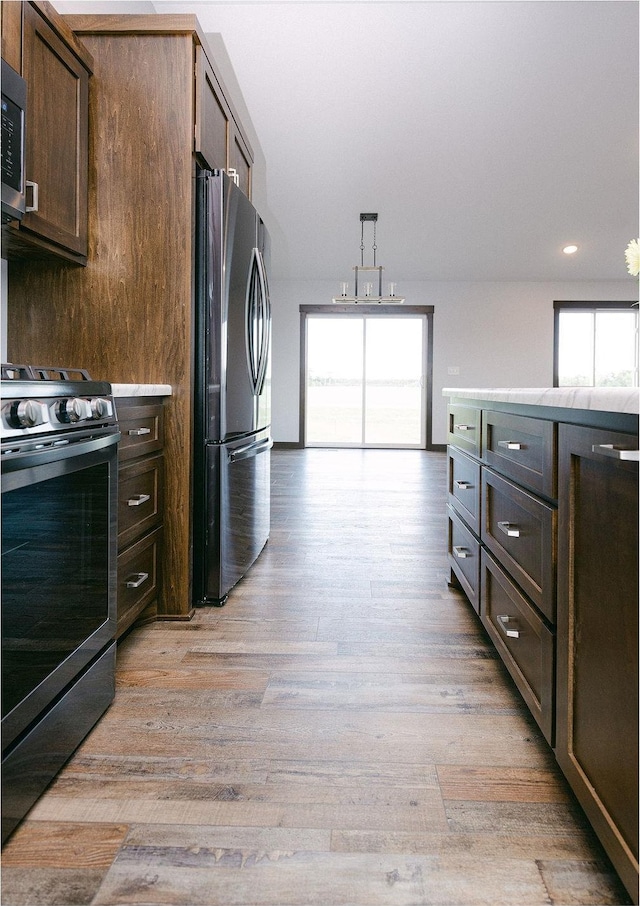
{"x": 14, "y": 104}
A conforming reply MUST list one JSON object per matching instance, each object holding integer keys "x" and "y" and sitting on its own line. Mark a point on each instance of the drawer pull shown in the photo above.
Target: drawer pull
{"x": 509, "y": 529}
{"x": 461, "y": 552}
{"x": 616, "y": 452}
{"x": 465, "y": 427}
{"x": 137, "y": 579}
{"x": 138, "y": 432}
{"x": 503, "y": 619}
{"x": 138, "y": 499}
{"x": 510, "y": 445}
{"x": 462, "y": 485}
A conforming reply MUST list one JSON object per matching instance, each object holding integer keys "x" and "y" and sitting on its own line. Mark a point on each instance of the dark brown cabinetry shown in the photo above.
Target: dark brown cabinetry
{"x": 128, "y": 315}
{"x": 597, "y": 710}
{"x": 219, "y": 141}
{"x": 502, "y": 540}
{"x": 543, "y": 539}
{"x": 56, "y": 68}
{"x": 140, "y": 509}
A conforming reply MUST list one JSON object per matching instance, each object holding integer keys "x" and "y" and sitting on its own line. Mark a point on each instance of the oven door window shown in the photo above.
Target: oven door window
{"x": 55, "y": 574}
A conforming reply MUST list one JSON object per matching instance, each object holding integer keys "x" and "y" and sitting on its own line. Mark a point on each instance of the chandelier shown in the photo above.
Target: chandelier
{"x": 364, "y": 289}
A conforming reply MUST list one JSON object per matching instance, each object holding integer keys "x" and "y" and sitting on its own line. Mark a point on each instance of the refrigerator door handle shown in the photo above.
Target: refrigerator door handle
{"x": 265, "y": 320}
{"x": 250, "y": 450}
{"x": 252, "y": 317}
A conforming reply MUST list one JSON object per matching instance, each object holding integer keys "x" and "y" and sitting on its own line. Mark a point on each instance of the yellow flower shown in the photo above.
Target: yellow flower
{"x": 632, "y": 254}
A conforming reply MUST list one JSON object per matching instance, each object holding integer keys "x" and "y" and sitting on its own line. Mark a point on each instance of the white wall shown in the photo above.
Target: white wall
{"x": 498, "y": 334}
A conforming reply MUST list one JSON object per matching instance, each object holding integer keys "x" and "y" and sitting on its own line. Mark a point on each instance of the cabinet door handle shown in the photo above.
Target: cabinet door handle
{"x": 465, "y": 427}
{"x": 33, "y": 207}
{"x": 503, "y": 620}
{"x": 510, "y": 445}
{"x": 462, "y": 485}
{"x": 138, "y": 432}
{"x": 137, "y": 579}
{"x": 616, "y": 452}
{"x": 509, "y": 529}
{"x": 461, "y": 552}
{"x": 138, "y": 499}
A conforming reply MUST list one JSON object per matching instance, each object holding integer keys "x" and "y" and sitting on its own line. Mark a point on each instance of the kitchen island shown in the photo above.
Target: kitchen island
{"x": 543, "y": 539}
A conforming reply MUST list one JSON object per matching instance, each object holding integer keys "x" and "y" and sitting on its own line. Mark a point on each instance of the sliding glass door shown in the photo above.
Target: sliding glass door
{"x": 365, "y": 382}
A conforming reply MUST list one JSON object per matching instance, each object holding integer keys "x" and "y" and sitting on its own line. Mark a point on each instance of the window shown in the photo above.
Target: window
{"x": 595, "y": 344}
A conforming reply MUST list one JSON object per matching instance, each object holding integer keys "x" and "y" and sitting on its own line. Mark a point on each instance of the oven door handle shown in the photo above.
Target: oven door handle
{"x": 17, "y": 460}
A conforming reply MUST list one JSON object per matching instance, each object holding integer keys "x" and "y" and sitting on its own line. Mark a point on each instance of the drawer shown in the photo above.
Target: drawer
{"x": 464, "y": 428}
{"x": 520, "y": 531}
{"x": 522, "y": 639}
{"x": 521, "y": 448}
{"x": 140, "y": 496}
{"x": 464, "y": 487}
{"x": 138, "y": 578}
{"x": 141, "y": 426}
{"x": 464, "y": 557}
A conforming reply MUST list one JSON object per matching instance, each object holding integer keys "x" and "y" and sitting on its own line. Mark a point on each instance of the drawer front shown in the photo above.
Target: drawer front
{"x": 464, "y": 428}
{"x": 139, "y": 499}
{"x": 523, "y": 641}
{"x": 521, "y": 448}
{"x": 520, "y": 531}
{"x": 141, "y": 426}
{"x": 464, "y": 557}
{"x": 464, "y": 487}
{"x": 138, "y": 578}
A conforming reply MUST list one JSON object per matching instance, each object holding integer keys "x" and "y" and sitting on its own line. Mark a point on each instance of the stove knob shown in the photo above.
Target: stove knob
{"x": 74, "y": 410}
{"x": 101, "y": 408}
{"x": 28, "y": 414}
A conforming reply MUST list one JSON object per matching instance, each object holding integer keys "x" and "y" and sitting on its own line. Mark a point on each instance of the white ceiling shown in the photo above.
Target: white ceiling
{"x": 487, "y": 135}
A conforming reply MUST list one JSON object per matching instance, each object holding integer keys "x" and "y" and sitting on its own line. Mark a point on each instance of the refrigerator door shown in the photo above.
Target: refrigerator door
{"x": 245, "y": 283}
{"x": 226, "y": 237}
{"x": 238, "y": 508}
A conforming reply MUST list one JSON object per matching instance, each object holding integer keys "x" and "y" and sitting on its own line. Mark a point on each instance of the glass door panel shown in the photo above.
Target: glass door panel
{"x": 394, "y": 411}
{"x": 335, "y": 354}
{"x": 364, "y": 381}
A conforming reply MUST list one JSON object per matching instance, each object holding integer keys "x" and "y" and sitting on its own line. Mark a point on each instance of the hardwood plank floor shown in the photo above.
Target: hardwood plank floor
{"x": 341, "y": 733}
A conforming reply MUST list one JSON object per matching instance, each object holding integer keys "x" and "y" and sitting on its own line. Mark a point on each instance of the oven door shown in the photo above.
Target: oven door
{"x": 59, "y": 512}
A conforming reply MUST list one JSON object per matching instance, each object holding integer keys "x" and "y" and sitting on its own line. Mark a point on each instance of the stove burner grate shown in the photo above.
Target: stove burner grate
{"x": 10, "y": 372}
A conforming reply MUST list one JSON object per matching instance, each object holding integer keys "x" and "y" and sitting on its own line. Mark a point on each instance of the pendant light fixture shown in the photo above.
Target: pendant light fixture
{"x": 364, "y": 289}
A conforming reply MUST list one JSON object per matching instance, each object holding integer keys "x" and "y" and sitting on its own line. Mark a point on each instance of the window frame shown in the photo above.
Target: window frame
{"x": 588, "y": 307}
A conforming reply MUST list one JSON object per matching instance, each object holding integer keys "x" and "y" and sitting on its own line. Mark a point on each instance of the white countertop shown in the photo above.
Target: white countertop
{"x": 601, "y": 399}
{"x": 141, "y": 389}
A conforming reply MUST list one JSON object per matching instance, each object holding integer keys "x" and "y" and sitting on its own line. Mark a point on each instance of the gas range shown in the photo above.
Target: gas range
{"x": 39, "y": 403}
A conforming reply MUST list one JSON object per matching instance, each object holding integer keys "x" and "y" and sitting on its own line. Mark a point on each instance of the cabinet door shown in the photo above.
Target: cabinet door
{"x": 597, "y": 705}
{"x": 212, "y": 117}
{"x": 11, "y": 21}
{"x": 57, "y": 137}
{"x": 239, "y": 160}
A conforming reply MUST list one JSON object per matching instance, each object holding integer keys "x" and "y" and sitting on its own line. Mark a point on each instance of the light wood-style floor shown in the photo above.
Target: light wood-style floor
{"x": 341, "y": 733}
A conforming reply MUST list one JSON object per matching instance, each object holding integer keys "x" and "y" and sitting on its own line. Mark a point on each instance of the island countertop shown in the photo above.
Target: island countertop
{"x": 600, "y": 399}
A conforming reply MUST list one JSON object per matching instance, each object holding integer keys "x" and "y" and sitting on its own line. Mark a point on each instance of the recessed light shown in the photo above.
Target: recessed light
{"x": 570, "y": 249}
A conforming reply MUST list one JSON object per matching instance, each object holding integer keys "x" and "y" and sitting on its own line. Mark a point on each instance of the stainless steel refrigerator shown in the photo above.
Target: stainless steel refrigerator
{"x": 232, "y": 397}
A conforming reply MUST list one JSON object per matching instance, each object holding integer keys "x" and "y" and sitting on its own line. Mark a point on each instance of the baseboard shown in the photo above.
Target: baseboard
{"x": 287, "y": 445}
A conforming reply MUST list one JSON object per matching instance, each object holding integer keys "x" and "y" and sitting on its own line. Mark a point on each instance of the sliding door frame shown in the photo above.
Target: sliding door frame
{"x": 370, "y": 310}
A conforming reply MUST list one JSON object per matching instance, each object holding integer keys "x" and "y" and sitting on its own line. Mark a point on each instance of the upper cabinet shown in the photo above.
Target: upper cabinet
{"x": 219, "y": 141}
{"x": 56, "y": 67}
